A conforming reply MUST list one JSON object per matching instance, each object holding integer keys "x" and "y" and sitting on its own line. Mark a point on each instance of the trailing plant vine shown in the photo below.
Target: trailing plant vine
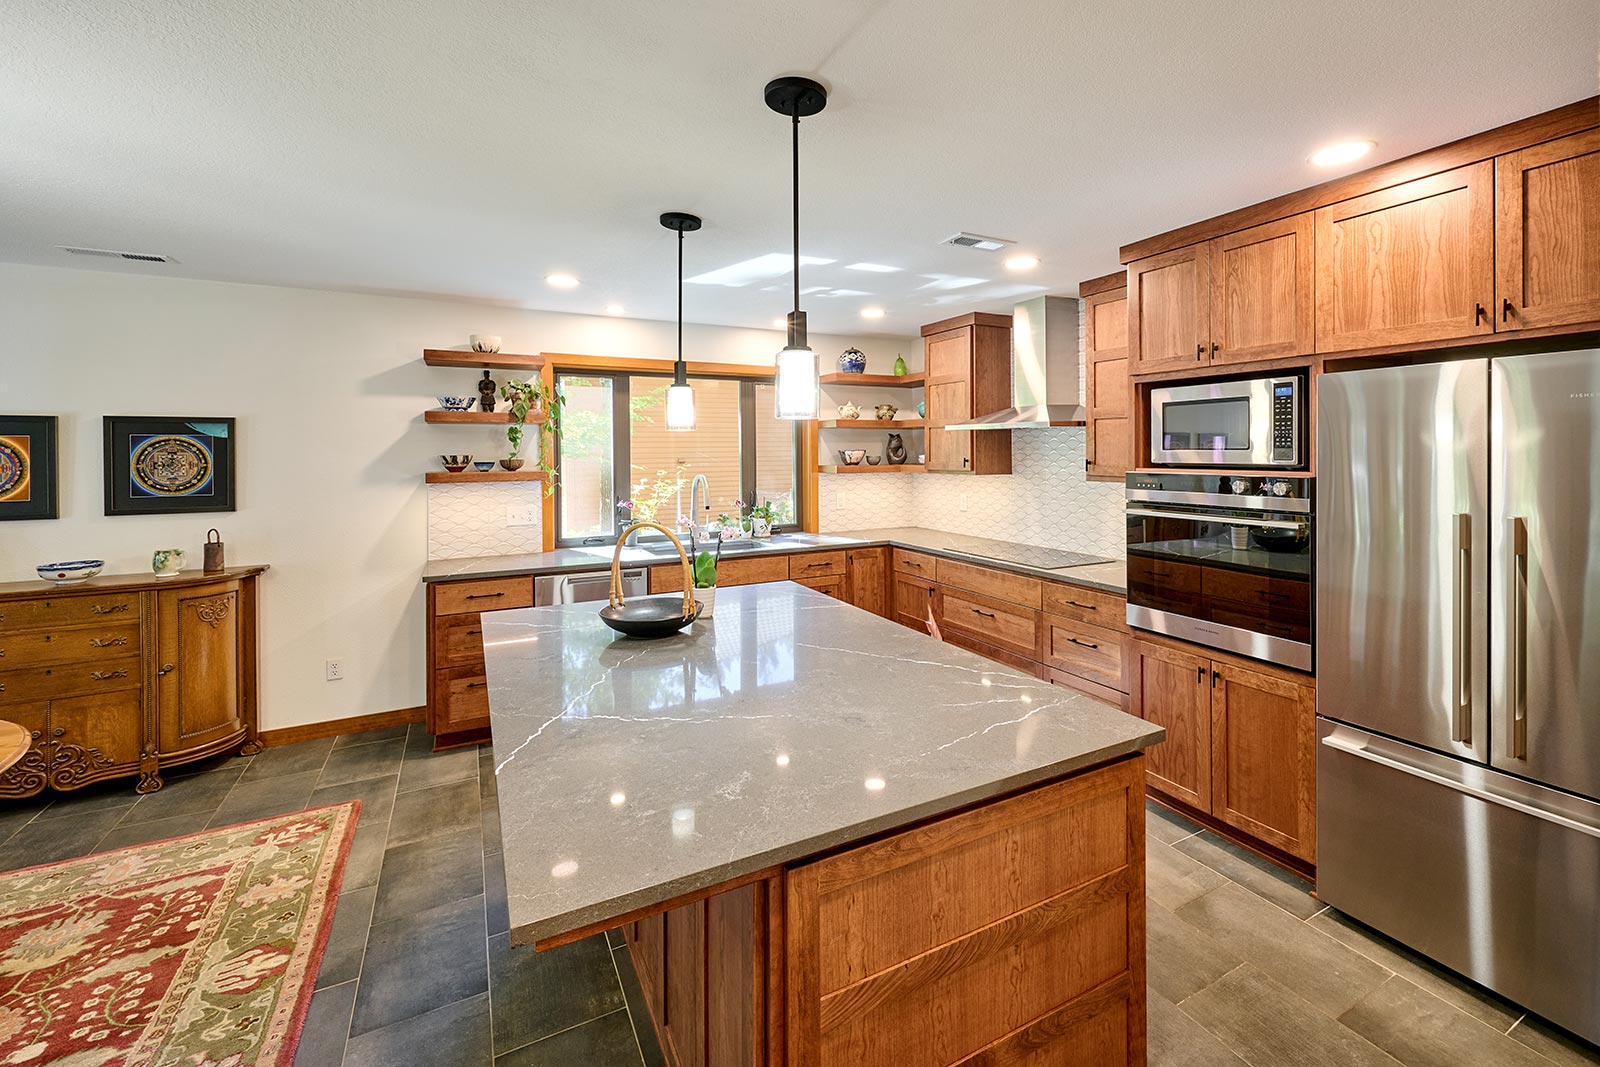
{"x": 531, "y": 396}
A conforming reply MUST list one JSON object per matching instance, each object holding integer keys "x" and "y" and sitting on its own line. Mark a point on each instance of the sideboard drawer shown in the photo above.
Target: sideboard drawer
{"x": 815, "y": 564}
{"x": 71, "y": 679}
{"x": 54, "y": 612}
{"x": 1086, "y": 605}
{"x": 33, "y": 648}
{"x": 459, "y": 598}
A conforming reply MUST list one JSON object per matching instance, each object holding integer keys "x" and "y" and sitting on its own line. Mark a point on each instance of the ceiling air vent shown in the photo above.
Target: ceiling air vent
{"x": 978, "y": 241}
{"x": 108, "y": 253}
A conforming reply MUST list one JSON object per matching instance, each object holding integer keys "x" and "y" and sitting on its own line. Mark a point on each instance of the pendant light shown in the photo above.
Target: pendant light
{"x": 796, "y": 385}
{"x": 680, "y": 398}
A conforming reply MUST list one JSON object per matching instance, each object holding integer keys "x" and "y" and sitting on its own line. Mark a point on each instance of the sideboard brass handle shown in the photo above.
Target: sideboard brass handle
{"x": 106, "y": 676}
{"x": 58, "y": 731}
{"x": 102, "y": 642}
{"x": 108, "y": 609}
{"x": 167, "y": 668}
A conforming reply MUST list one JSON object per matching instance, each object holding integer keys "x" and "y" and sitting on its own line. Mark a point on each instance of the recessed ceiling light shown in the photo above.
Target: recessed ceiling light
{"x": 1022, "y": 263}
{"x": 1336, "y": 155}
{"x": 614, "y": 309}
{"x": 872, "y": 313}
{"x": 875, "y": 268}
{"x": 561, "y": 281}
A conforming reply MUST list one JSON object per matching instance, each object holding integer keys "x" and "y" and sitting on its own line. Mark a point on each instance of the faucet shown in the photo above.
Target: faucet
{"x": 700, "y": 482}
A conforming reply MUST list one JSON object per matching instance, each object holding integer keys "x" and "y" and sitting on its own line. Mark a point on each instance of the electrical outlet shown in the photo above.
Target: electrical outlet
{"x": 522, "y": 514}
{"x": 335, "y": 670}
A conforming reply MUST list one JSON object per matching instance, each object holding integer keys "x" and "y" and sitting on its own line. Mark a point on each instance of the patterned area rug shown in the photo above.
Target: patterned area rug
{"x": 200, "y": 951}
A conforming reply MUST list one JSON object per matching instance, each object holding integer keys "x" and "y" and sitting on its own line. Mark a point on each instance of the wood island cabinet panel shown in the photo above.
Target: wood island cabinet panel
{"x": 1262, "y": 292}
{"x": 199, "y": 627}
{"x": 868, "y": 579}
{"x": 1263, "y": 736}
{"x": 1547, "y": 234}
{"x": 1109, "y": 436}
{"x": 1168, "y": 307}
{"x": 683, "y": 1015}
{"x": 1410, "y": 264}
{"x": 1172, "y": 689}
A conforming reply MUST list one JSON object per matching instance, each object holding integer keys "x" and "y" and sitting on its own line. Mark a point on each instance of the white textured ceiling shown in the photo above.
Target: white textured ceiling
{"x": 468, "y": 148}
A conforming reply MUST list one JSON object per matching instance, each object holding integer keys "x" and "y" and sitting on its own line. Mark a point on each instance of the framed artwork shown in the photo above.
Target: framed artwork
{"x": 168, "y": 465}
{"x": 27, "y": 466}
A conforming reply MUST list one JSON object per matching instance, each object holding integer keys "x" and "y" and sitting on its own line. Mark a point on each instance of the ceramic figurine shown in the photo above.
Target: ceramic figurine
{"x": 484, "y": 342}
{"x": 167, "y": 562}
{"x": 899, "y": 366}
{"x": 853, "y": 361}
{"x": 896, "y": 451}
{"x": 922, "y": 409}
{"x": 885, "y": 411}
{"x": 849, "y": 411}
{"x": 486, "y": 390}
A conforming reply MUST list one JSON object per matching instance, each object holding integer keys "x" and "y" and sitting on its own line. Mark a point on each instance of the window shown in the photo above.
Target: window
{"x": 614, "y": 446}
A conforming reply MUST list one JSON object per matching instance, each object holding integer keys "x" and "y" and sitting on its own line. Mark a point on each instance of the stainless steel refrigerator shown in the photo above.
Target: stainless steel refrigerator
{"x": 1458, "y": 668}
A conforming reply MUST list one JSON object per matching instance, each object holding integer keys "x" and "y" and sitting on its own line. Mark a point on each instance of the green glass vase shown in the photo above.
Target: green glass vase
{"x": 899, "y": 366}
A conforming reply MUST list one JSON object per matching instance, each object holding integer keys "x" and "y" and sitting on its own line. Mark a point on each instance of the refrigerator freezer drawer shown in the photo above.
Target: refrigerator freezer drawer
{"x": 1488, "y": 874}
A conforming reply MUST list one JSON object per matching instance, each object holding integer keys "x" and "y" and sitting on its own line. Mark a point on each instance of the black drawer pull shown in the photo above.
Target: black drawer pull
{"x": 909, "y": 563}
{"x": 985, "y": 614}
{"x": 483, "y": 596}
{"x": 476, "y": 685}
{"x": 814, "y": 566}
{"x": 1085, "y": 607}
{"x": 1083, "y": 644}
{"x": 474, "y": 632}
{"x": 1268, "y": 594}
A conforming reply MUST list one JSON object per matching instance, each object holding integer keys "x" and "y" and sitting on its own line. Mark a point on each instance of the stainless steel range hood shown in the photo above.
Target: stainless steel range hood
{"x": 1044, "y": 369}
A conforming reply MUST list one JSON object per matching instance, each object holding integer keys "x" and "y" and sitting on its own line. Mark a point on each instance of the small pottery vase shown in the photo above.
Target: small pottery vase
{"x": 849, "y": 411}
{"x": 166, "y": 562}
{"x": 707, "y": 599}
{"x": 853, "y": 361}
{"x": 885, "y": 411}
{"x": 486, "y": 389}
{"x": 760, "y": 527}
{"x": 922, "y": 409}
{"x": 899, "y": 366}
{"x": 896, "y": 450}
{"x": 512, "y": 464}
{"x": 484, "y": 342}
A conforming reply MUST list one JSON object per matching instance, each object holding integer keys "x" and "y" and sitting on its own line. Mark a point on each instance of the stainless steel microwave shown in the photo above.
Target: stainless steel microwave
{"x": 1256, "y": 422}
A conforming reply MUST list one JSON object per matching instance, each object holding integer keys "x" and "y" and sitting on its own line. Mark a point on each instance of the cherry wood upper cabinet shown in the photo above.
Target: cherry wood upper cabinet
{"x": 1262, "y": 285}
{"x": 1109, "y": 439}
{"x": 1547, "y": 233}
{"x": 968, "y": 373}
{"x": 1168, "y": 307}
{"x": 1263, "y": 763}
{"x": 1407, "y": 265}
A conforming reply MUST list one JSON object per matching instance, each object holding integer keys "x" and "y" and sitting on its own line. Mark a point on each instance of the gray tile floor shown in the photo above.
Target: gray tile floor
{"x": 1245, "y": 967}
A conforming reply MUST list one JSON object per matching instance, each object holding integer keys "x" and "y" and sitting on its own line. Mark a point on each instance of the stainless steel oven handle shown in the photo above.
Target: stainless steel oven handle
{"x": 1228, "y": 520}
{"x": 1461, "y": 726}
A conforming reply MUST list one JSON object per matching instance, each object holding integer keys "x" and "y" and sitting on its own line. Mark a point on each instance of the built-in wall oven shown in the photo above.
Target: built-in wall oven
{"x": 1223, "y": 560}
{"x": 1252, "y": 422}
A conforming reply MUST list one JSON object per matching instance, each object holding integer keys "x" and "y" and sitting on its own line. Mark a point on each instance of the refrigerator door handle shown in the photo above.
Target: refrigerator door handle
{"x": 1361, "y": 745}
{"x": 1461, "y": 726}
{"x": 1519, "y": 638}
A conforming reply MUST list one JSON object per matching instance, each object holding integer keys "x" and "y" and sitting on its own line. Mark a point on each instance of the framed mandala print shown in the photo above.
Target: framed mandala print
{"x": 168, "y": 465}
{"x": 27, "y": 467}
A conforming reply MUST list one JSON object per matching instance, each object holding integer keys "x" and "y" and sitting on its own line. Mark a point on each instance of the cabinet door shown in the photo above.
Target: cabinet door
{"x": 1547, "y": 233}
{"x": 1173, "y": 690}
{"x": 1263, "y": 739}
{"x": 948, "y": 450}
{"x": 913, "y": 602}
{"x": 1168, "y": 305}
{"x": 829, "y": 584}
{"x": 1262, "y": 281}
{"x": 201, "y": 653}
{"x": 683, "y": 1013}
{"x": 1109, "y": 439}
{"x": 869, "y": 579}
{"x": 94, "y": 737}
{"x": 1408, "y": 265}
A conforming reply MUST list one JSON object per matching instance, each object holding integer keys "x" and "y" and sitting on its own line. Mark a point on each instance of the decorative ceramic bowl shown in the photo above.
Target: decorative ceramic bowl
{"x": 849, "y": 411}
{"x": 456, "y": 464}
{"x": 483, "y": 465}
{"x": 873, "y": 461}
{"x": 922, "y": 409}
{"x": 648, "y": 619}
{"x": 852, "y": 457}
{"x": 456, "y": 403}
{"x": 512, "y": 464}
{"x": 853, "y": 361}
{"x": 70, "y": 573}
{"x": 885, "y": 411}
{"x": 484, "y": 342}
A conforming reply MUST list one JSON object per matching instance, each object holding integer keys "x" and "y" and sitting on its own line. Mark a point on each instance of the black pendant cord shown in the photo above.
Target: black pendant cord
{"x": 795, "y": 155}
{"x": 678, "y": 375}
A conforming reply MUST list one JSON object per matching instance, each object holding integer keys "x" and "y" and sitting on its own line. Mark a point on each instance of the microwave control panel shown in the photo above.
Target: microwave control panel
{"x": 1285, "y": 422}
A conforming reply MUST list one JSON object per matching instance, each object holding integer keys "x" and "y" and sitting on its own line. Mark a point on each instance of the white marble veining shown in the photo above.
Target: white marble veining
{"x": 632, "y": 772}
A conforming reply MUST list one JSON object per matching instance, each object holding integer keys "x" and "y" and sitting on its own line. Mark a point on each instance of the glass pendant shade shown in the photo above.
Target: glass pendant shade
{"x": 680, "y": 407}
{"x": 796, "y": 386}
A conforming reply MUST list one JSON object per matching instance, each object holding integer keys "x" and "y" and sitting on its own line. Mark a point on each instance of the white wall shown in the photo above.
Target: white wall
{"x": 329, "y": 390}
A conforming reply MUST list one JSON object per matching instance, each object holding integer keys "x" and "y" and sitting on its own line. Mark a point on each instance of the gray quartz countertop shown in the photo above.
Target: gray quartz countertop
{"x": 630, "y": 773}
{"x": 1053, "y": 563}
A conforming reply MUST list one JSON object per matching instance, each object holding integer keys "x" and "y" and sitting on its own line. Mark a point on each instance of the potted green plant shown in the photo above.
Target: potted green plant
{"x": 705, "y": 577}
{"x": 531, "y": 396}
{"x": 762, "y": 516}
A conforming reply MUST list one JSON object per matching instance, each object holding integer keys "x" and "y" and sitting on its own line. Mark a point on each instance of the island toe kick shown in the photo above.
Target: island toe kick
{"x": 1009, "y": 933}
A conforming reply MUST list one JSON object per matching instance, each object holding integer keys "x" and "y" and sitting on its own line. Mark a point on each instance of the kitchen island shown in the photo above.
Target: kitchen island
{"x": 828, "y": 839}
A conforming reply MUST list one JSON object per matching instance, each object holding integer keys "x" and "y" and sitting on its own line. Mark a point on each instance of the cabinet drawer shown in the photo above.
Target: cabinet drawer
{"x": 71, "y": 679}
{"x": 1091, "y": 652}
{"x": 1001, "y": 585}
{"x": 459, "y": 598}
{"x": 731, "y": 571}
{"x": 991, "y": 621}
{"x": 816, "y": 564}
{"x": 916, "y": 563}
{"x": 54, "y": 612}
{"x": 458, "y": 642}
{"x": 464, "y": 699}
{"x": 32, "y": 648}
{"x": 1086, "y": 605}
{"x": 832, "y": 584}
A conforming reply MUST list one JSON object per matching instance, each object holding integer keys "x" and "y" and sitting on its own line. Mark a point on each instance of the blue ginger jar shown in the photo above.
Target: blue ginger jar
{"x": 853, "y": 361}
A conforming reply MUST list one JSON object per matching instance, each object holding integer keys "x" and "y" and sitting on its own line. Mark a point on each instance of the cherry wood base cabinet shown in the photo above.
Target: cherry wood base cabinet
{"x": 1010, "y": 933}
{"x": 126, "y": 675}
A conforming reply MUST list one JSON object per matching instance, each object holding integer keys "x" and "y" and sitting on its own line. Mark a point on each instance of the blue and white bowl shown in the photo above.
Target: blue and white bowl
{"x": 853, "y": 361}
{"x": 71, "y": 572}
{"x": 456, "y": 403}
{"x": 484, "y": 465}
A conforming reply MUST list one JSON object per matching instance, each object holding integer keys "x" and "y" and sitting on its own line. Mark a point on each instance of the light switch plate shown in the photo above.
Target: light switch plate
{"x": 522, "y": 514}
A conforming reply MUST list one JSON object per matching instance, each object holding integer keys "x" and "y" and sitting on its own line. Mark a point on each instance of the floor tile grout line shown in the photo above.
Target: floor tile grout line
{"x": 558, "y": 1033}
{"x": 617, "y": 970}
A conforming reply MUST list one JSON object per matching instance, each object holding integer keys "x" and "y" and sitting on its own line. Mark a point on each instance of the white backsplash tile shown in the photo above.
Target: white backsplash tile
{"x": 470, "y": 520}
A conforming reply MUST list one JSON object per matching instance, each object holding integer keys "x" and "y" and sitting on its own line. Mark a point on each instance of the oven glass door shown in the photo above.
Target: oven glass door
{"x": 1250, "y": 570}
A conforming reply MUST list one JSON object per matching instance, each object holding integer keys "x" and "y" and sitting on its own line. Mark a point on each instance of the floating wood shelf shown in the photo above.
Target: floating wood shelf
{"x": 841, "y": 378}
{"x": 500, "y": 417}
{"x": 882, "y": 468}
{"x": 452, "y": 478}
{"x": 871, "y": 424}
{"x": 450, "y": 357}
